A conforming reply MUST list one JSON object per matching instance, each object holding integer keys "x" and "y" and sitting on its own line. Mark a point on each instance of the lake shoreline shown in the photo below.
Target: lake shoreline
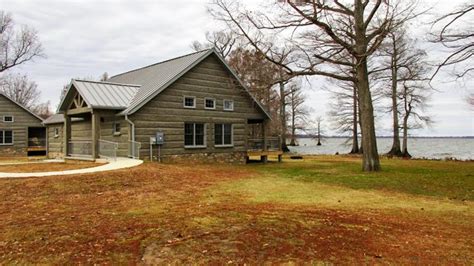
{"x": 432, "y": 148}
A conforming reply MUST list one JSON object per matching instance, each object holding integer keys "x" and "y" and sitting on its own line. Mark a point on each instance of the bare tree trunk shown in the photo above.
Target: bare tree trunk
{"x": 405, "y": 138}
{"x": 283, "y": 116}
{"x": 395, "y": 150}
{"x": 370, "y": 158}
{"x": 293, "y": 128}
{"x": 319, "y": 133}
{"x": 405, "y": 124}
{"x": 355, "y": 122}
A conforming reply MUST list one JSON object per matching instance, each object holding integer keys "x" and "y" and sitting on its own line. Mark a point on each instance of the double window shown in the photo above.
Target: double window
{"x": 194, "y": 135}
{"x": 8, "y": 118}
{"x": 6, "y": 137}
{"x": 223, "y": 135}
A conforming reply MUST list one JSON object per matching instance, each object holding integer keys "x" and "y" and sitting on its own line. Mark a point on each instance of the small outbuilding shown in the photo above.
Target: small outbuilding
{"x": 21, "y": 131}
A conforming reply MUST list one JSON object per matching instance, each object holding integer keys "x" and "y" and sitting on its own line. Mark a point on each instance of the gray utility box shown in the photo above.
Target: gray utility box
{"x": 160, "y": 138}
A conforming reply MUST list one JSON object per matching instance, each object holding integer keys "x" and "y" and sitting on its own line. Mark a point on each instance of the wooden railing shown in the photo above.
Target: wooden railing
{"x": 258, "y": 144}
{"x": 36, "y": 142}
{"x": 82, "y": 148}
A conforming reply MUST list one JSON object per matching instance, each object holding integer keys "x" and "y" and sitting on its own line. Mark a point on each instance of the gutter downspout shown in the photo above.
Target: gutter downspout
{"x": 133, "y": 134}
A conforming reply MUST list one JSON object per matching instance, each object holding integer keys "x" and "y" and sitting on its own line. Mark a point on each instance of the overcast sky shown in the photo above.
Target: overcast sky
{"x": 87, "y": 38}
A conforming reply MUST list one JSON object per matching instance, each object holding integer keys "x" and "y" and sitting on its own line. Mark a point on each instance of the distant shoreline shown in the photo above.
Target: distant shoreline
{"x": 385, "y": 137}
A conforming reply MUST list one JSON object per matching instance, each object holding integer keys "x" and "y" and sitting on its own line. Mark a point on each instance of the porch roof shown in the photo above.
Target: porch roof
{"x": 100, "y": 95}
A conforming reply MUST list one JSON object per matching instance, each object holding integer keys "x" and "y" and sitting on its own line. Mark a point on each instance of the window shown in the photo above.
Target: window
{"x": 194, "y": 135}
{"x": 116, "y": 128}
{"x": 209, "y": 103}
{"x": 56, "y": 132}
{"x": 6, "y": 137}
{"x": 189, "y": 102}
{"x": 223, "y": 134}
{"x": 228, "y": 105}
{"x": 8, "y": 118}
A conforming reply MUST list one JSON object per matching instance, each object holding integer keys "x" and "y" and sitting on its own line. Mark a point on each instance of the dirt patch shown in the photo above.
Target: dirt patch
{"x": 46, "y": 167}
{"x": 161, "y": 214}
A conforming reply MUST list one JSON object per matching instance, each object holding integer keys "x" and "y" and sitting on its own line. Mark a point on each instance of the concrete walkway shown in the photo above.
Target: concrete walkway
{"x": 120, "y": 163}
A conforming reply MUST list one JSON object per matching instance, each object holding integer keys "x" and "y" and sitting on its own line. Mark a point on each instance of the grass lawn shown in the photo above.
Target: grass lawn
{"x": 47, "y": 167}
{"x": 318, "y": 210}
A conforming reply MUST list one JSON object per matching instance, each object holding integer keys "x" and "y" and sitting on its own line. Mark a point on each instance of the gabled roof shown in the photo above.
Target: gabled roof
{"x": 157, "y": 77}
{"x": 101, "y": 95}
{"x": 21, "y": 106}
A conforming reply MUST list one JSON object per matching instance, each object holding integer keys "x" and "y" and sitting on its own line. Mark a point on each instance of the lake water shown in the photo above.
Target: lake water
{"x": 432, "y": 148}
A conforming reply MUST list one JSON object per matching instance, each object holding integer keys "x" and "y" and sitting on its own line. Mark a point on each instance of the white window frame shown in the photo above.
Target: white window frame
{"x": 194, "y": 146}
{"x": 13, "y": 118}
{"x": 223, "y": 137}
{"x": 56, "y": 132}
{"x": 3, "y": 136}
{"x": 228, "y": 109}
{"x": 114, "y": 129}
{"x": 214, "y": 103}
{"x": 194, "y": 102}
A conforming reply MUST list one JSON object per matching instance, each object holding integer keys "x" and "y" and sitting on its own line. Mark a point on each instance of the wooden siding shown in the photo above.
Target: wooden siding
{"x": 22, "y": 120}
{"x": 108, "y": 119}
{"x": 55, "y": 144}
{"x": 165, "y": 113}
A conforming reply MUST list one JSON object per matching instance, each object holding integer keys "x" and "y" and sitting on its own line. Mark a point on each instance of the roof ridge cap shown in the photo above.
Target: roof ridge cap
{"x": 108, "y": 82}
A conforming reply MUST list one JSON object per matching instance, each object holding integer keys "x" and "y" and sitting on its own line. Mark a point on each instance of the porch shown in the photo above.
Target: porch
{"x": 36, "y": 141}
{"x": 259, "y": 142}
{"x": 93, "y": 136}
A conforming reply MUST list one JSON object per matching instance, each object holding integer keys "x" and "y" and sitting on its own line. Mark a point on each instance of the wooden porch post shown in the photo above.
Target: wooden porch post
{"x": 66, "y": 133}
{"x": 264, "y": 158}
{"x": 95, "y": 120}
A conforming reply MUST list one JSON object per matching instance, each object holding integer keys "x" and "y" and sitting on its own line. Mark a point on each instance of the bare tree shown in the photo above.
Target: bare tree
{"x": 319, "y": 120}
{"x": 402, "y": 65}
{"x": 223, "y": 41}
{"x": 297, "y": 112}
{"x": 25, "y": 92}
{"x": 414, "y": 95}
{"x": 457, "y": 35}
{"x": 104, "y": 77}
{"x": 344, "y": 112}
{"x": 17, "y": 46}
{"x": 20, "y": 89}
{"x": 43, "y": 109}
{"x": 322, "y": 33}
{"x": 415, "y": 100}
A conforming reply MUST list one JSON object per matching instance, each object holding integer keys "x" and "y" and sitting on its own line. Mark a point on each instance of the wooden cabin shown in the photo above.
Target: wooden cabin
{"x": 21, "y": 131}
{"x": 192, "y": 107}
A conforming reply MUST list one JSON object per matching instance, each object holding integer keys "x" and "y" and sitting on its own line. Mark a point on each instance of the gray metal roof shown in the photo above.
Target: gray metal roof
{"x": 117, "y": 93}
{"x": 21, "y": 106}
{"x": 102, "y": 95}
{"x": 154, "y": 78}
{"x": 157, "y": 77}
{"x": 59, "y": 119}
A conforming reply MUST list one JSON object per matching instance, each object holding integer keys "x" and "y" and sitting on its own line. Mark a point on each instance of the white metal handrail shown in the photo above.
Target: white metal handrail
{"x": 108, "y": 149}
{"x": 134, "y": 149}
